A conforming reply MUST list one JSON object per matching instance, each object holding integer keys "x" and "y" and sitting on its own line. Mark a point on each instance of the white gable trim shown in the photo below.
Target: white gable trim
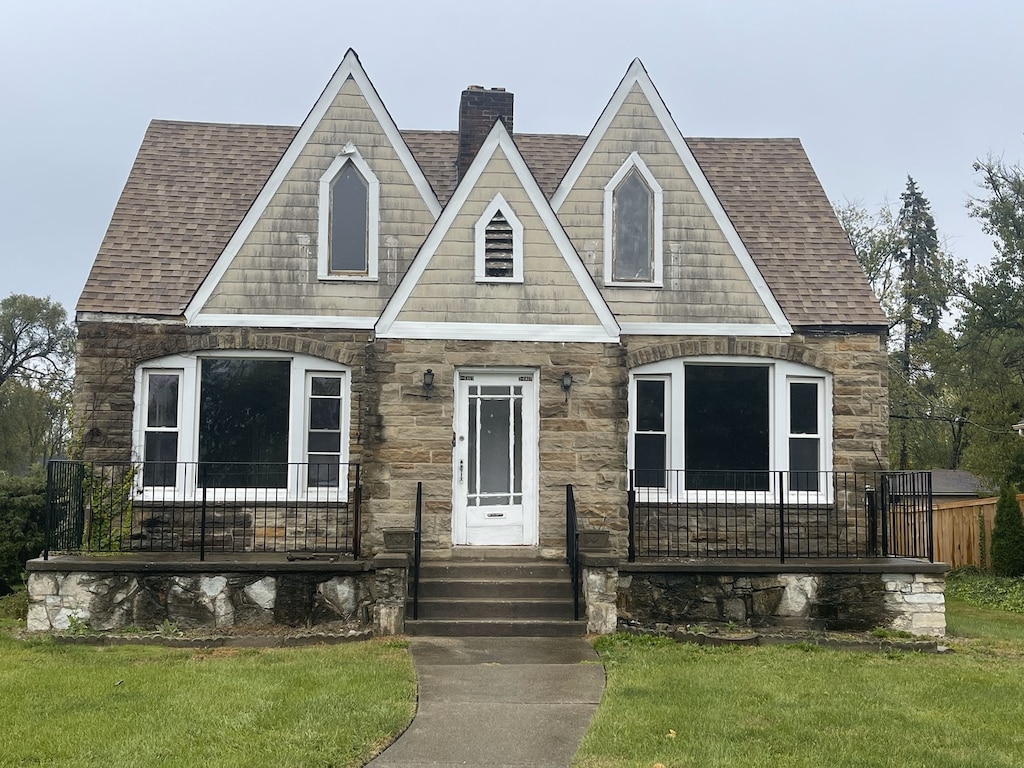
{"x": 207, "y": 319}
{"x": 496, "y": 332}
{"x": 637, "y": 75}
{"x": 349, "y": 67}
{"x": 497, "y": 139}
{"x": 634, "y": 161}
{"x": 349, "y": 154}
{"x": 480, "y": 242}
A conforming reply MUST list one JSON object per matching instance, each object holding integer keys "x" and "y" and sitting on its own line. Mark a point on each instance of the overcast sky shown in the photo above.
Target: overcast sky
{"x": 875, "y": 89}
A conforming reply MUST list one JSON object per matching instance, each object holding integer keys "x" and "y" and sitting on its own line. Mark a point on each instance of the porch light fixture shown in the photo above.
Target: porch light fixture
{"x": 428, "y": 383}
{"x": 566, "y": 384}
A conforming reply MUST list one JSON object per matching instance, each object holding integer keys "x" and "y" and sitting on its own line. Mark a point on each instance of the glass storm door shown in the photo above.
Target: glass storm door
{"x": 495, "y": 459}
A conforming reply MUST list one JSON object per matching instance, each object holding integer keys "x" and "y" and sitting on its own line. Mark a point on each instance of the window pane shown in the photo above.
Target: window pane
{"x": 162, "y": 409}
{"x": 326, "y": 386}
{"x": 726, "y": 427}
{"x": 349, "y": 213}
{"x": 650, "y": 457}
{"x": 650, "y": 405}
{"x": 323, "y": 472}
{"x": 803, "y": 408}
{"x": 495, "y": 469}
{"x": 324, "y": 442}
{"x": 632, "y": 224}
{"x": 803, "y": 463}
{"x": 243, "y": 423}
{"x": 161, "y": 453}
{"x": 324, "y": 413}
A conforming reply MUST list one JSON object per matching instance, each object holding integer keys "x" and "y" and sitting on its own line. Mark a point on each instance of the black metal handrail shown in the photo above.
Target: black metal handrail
{"x": 779, "y": 514}
{"x": 211, "y": 507}
{"x": 572, "y": 548}
{"x": 417, "y": 551}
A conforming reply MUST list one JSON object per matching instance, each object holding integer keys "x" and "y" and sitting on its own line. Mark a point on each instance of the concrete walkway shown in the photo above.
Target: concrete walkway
{"x": 498, "y": 702}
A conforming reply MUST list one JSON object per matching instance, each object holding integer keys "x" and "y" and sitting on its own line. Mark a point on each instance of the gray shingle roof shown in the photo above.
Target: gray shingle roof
{"x": 192, "y": 184}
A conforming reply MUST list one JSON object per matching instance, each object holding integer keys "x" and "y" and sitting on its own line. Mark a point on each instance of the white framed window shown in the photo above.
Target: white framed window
{"x": 498, "y": 244}
{"x": 242, "y": 425}
{"x": 633, "y": 238}
{"x": 721, "y": 428}
{"x": 349, "y": 219}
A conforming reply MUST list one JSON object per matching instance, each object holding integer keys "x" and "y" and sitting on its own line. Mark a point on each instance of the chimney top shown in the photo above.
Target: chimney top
{"x": 479, "y": 109}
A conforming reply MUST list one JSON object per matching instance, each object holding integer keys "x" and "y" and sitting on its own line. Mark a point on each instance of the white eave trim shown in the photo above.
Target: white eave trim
{"x": 498, "y": 138}
{"x": 496, "y": 332}
{"x": 206, "y": 319}
{"x": 704, "y": 329}
{"x": 349, "y": 67}
{"x": 637, "y": 75}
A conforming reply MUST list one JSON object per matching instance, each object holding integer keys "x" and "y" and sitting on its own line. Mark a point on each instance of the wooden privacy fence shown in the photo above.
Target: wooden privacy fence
{"x": 958, "y": 533}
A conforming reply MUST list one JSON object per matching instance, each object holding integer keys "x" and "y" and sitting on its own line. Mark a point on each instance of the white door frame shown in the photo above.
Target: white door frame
{"x": 496, "y": 525}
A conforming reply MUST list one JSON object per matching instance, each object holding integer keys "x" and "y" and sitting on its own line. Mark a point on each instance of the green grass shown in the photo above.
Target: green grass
{"x": 151, "y": 706}
{"x": 808, "y": 707}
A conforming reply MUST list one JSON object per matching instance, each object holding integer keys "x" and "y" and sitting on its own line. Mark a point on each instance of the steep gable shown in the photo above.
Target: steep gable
{"x": 703, "y": 279}
{"x": 272, "y": 270}
{"x": 443, "y": 294}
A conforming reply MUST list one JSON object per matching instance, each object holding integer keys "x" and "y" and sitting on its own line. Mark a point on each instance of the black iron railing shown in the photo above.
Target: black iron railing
{"x": 572, "y": 549}
{"x": 779, "y": 515}
{"x": 202, "y": 508}
{"x": 417, "y": 550}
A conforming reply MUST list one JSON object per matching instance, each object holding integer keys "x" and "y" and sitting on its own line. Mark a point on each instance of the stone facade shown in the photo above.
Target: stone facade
{"x": 401, "y": 438}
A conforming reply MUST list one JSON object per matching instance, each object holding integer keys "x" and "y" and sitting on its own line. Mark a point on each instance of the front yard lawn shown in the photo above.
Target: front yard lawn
{"x": 807, "y": 707}
{"x": 134, "y": 706}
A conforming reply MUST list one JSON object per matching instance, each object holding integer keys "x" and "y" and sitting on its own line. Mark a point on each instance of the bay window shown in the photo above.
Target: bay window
{"x": 719, "y": 424}
{"x": 234, "y": 420}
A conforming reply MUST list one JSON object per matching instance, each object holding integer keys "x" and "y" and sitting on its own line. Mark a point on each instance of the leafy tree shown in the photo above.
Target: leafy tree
{"x": 36, "y": 354}
{"x": 1008, "y": 534}
{"x": 36, "y": 341}
{"x": 914, "y": 280}
{"x": 22, "y": 500}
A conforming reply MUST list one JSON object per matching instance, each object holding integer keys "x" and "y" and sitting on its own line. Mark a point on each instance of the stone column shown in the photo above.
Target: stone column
{"x": 600, "y": 585}
{"x": 391, "y": 590}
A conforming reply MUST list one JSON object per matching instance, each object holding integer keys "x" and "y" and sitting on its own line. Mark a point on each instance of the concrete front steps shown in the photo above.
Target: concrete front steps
{"x": 494, "y": 598}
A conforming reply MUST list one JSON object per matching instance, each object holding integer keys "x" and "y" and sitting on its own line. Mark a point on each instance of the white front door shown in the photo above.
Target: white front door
{"x": 494, "y": 463}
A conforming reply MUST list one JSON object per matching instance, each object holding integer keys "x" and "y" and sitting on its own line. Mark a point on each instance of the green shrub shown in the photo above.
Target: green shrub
{"x": 14, "y": 605}
{"x": 1008, "y": 534}
{"x": 22, "y": 501}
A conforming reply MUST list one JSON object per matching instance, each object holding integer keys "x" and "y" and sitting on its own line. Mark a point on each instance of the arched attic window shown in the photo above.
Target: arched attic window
{"x": 349, "y": 219}
{"x": 499, "y": 244}
{"x": 633, "y": 226}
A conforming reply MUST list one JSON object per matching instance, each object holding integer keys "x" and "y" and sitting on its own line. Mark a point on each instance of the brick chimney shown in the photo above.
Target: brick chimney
{"x": 478, "y": 111}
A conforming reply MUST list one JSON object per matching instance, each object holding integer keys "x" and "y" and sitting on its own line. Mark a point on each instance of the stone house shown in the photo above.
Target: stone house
{"x": 490, "y": 315}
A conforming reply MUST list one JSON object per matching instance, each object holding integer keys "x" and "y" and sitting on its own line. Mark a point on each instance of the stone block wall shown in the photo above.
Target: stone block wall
{"x": 841, "y": 599}
{"x": 112, "y": 600}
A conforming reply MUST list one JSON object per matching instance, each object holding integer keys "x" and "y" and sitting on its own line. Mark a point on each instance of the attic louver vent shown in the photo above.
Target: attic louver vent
{"x": 498, "y": 247}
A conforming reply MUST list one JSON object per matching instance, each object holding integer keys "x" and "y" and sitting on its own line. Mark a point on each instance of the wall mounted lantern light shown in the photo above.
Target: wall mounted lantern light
{"x": 566, "y": 384}
{"x": 428, "y": 383}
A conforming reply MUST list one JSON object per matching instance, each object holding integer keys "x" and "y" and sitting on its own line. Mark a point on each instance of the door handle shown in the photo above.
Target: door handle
{"x": 461, "y": 466}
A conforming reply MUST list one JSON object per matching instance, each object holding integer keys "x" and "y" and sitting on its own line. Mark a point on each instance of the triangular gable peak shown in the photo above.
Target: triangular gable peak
{"x": 636, "y": 103}
{"x": 546, "y": 294}
{"x": 325, "y": 295}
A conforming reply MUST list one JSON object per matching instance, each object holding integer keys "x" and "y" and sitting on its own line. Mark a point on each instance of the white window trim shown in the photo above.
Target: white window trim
{"x": 349, "y": 154}
{"x": 633, "y": 161}
{"x": 781, "y": 373}
{"x": 480, "y": 242}
{"x": 189, "y": 369}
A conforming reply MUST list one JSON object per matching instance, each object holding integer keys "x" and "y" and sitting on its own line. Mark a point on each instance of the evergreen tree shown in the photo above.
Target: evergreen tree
{"x": 1008, "y": 534}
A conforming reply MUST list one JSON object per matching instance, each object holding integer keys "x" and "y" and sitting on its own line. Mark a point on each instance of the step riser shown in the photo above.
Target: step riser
{"x": 493, "y": 571}
{"x": 495, "y": 629}
{"x": 480, "y": 609}
{"x": 495, "y": 589}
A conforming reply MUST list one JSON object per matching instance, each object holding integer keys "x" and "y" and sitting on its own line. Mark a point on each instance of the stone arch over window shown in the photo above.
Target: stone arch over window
{"x": 349, "y": 215}
{"x": 498, "y": 237}
{"x": 633, "y": 216}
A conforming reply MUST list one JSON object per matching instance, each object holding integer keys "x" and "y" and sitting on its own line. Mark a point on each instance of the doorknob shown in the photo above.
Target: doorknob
{"x": 461, "y": 465}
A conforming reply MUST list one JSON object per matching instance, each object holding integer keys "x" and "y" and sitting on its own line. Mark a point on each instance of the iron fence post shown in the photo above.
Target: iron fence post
{"x": 883, "y": 508}
{"x": 357, "y": 514}
{"x": 48, "y": 510}
{"x": 631, "y": 515}
{"x": 202, "y": 527}
{"x": 871, "y": 511}
{"x": 782, "y": 516}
